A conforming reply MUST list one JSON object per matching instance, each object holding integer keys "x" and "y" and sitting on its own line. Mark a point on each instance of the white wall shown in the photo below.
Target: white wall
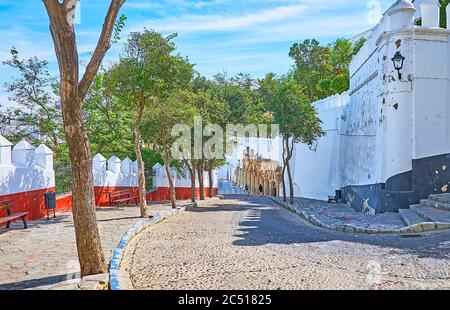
{"x": 181, "y": 180}
{"x": 316, "y": 169}
{"x": 431, "y": 88}
{"x": 24, "y": 168}
{"x": 114, "y": 172}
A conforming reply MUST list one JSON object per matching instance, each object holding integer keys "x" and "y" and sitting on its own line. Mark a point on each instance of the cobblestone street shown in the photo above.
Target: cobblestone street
{"x": 251, "y": 243}
{"x": 44, "y": 256}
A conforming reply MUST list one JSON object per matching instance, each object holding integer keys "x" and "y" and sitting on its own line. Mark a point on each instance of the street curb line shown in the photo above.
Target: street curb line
{"x": 115, "y": 282}
{"x": 347, "y": 228}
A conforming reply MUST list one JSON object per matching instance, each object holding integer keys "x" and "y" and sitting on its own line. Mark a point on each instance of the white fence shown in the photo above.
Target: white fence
{"x": 181, "y": 180}
{"x": 114, "y": 172}
{"x": 24, "y": 168}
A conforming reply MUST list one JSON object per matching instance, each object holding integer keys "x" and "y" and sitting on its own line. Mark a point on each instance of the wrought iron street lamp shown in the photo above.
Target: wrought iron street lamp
{"x": 398, "y": 61}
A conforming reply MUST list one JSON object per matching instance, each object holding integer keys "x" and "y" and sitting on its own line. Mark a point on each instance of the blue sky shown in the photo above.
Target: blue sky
{"x": 251, "y": 36}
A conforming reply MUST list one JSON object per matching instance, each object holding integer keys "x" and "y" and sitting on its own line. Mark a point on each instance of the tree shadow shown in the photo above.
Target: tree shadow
{"x": 34, "y": 283}
{"x": 265, "y": 223}
{"x": 62, "y": 218}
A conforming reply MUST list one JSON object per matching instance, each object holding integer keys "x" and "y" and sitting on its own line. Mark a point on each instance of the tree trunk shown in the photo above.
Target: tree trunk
{"x": 191, "y": 168}
{"x": 288, "y": 168}
{"x": 200, "y": 171}
{"x": 283, "y": 172}
{"x": 90, "y": 251}
{"x": 173, "y": 197}
{"x": 141, "y": 171}
{"x": 211, "y": 181}
{"x": 73, "y": 92}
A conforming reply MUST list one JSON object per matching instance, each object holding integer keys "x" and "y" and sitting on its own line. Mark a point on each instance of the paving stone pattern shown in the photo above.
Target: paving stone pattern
{"x": 247, "y": 242}
{"x": 44, "y": 256}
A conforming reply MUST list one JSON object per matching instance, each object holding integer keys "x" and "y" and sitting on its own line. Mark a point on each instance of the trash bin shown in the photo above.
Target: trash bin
{"x": 50, "y": 203}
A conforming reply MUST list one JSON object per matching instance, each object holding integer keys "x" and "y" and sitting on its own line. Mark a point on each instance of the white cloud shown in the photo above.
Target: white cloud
{"x": 195, "y": 23}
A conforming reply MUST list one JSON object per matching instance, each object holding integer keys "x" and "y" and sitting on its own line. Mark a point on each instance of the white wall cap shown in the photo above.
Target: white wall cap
{"x": 43, "y": 149}
{"x": 402, "y": 5}
{"x": 127, "y": 160}
{"x": 4, "y": 142}
{"x": 157, "y": 166}
{"x": 99, "y": 157}
{"x": 23, "y": 145}
{"x": 114, "y": 159}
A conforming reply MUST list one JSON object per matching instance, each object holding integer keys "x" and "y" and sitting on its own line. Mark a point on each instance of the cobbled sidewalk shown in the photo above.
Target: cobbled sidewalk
{"x": 44, "y": 256}
{"x": 341, "y": 217}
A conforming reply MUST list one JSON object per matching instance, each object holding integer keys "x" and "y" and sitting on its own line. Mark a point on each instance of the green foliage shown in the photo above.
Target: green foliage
{"x": 63, "y": 169}
{"x": 148, "y": 71}
{"x": 311, "y": 61}
{"x": 108, "y": 122}
{"x": 322, "y": 71}
{"x": 37, "y": 116}
{"x": 443, "y": 13}
{"x": 150, "y": 158}
{"x": 118, "y": 27}
{"x": 292, "y": 111}
{"x": 240, "y": 95}
{"x": 160, "y": 119}
{"x": 143, "y": 82}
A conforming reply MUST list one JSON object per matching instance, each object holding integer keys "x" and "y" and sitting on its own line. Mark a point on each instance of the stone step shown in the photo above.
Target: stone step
{"x": 431, "y": 214}
{"x": 445, "y": 198}
{"x": 410, "y": 218}
{"x": 435, "y": 204}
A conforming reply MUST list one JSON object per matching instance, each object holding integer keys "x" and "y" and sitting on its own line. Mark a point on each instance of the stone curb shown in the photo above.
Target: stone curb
{"x": 347, "y": 228}
{"x": 115, "y": 283}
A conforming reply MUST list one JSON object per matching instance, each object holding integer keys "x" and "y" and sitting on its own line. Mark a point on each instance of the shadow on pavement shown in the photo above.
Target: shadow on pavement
{"x": 266, "y": 223}
{"x": 35, "y": 283}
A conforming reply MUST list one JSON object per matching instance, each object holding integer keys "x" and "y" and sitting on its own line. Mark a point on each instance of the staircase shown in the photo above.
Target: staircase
{"x": 432, "y": 213}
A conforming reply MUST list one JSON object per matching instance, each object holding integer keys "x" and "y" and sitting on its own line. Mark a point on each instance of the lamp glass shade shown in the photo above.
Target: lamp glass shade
{"x": 398, "y": 61}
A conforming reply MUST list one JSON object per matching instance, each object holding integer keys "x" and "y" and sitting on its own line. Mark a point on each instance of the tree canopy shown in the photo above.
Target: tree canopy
{"x": 322, "y": 71}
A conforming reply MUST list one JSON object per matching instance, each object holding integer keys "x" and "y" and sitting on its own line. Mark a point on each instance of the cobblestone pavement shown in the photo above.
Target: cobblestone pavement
{"x": 251, "y": 243}
{"x": 44, "y": 256}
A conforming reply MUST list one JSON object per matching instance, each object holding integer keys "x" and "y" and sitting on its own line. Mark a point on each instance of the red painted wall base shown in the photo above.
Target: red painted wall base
{"x": 33, "y": 202}
{"x": 102, "y": 194}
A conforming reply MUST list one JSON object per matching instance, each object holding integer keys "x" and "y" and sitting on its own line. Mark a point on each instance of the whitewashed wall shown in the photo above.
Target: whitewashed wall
{"x": 181, "y": 180}
{"x": 316, "y": 169}
{"x": 114, "y": 172}
{"x": 24, "y": 168}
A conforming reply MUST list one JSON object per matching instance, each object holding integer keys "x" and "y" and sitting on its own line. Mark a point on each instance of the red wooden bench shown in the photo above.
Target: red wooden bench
{"x": 122, "y": 197}
{"x": 11, "y": 217}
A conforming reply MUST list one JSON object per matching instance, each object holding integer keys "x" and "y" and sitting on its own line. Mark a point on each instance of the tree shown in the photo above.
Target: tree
{"x": 35, "y": 92}
{"x": 214, "y": 110}
{"x": 296, "y": 117}
{"x": 322, "y": 71}
{"x": 239, "y": 94}
{"x": 157, "y": 131}
{"x": 443, "y": 13}
{"x": 189, "y": 97}
{"x": 109, "y": 123}
{"x": 73, "y": 91}
{"x": 311, "y": 66}
{"x": 146, "y": 75}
